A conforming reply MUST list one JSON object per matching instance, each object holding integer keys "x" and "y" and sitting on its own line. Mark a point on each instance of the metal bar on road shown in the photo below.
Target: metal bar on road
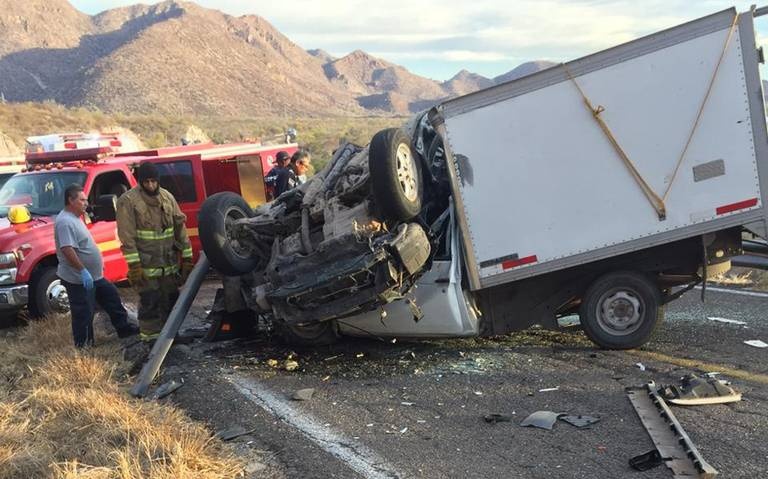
{"x": 173, "y": 323}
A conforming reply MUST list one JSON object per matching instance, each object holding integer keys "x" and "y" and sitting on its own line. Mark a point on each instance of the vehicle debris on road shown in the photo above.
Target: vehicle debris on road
{"x": 165, "y": 389}
{"x": 579, "y": 421}
{"x": 494, "y": 418}
{"x": 303, "y": 394}
{"x": 694, "y": 391}
{"x": 541, "y": 419}
{"x": 672, "y": 442}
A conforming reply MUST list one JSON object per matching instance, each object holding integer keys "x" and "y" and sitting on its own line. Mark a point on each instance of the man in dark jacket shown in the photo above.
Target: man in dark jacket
{"x": 278, "y": 178}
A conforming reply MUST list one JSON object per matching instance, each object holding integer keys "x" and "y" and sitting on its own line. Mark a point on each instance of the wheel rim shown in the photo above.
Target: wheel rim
{"x": 231, "y": 216}
{"x": 56, "y": 297}
{"x": 620, "y": 311}
{"x": 406, "y": 172}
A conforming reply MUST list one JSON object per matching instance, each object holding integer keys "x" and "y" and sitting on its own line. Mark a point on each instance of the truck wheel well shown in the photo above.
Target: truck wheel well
{"x": 44, "y": 263}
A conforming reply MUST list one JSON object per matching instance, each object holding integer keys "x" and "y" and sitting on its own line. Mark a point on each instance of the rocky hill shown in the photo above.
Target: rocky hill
{"x": 179, "y": 58}
{"x": 466, "y": 82}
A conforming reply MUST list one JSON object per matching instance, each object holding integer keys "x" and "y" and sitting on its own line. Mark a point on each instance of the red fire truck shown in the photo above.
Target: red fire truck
{"x": 193, "y": 172}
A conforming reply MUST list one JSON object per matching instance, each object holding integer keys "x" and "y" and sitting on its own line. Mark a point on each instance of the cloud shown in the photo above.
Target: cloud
{"x": 420, "y": 34}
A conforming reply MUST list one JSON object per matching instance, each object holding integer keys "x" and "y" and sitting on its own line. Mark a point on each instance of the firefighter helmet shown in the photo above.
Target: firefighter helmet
{"x": 18, "y": 214}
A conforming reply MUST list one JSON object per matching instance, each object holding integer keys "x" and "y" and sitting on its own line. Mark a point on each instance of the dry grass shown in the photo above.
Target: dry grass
{"x": 755, "y": 279}
{"x": 66, "y": 414}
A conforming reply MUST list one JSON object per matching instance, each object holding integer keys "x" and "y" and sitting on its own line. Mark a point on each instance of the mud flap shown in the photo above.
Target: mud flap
{"x": 229, "y": 325}
{"x": 225, "y": 326}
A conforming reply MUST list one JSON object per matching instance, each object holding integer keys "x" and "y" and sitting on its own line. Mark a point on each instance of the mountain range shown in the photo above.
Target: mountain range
{"x": 179, "y": 58}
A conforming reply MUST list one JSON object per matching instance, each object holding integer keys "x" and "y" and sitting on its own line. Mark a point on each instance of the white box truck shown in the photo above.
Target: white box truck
{"x": 600, "y": 187}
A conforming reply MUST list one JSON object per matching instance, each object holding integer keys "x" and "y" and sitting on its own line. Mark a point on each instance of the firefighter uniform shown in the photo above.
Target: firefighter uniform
{"x": 154, "y": 242}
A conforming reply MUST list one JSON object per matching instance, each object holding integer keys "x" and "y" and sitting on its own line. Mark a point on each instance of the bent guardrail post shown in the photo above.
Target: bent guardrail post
{"x": 172, "y": 325}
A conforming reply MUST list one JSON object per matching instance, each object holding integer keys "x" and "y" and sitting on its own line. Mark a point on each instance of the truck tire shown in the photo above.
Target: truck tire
{"x": 621, "y": 310}
{"x": 395, "y": 175}
{"x": 317, "y": 334}
{"x": 224, "y": 253}
{"x": 47, "y": 294}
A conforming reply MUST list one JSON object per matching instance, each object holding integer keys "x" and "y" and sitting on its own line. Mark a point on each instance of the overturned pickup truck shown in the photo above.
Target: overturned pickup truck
{"x": 603, "y": 187}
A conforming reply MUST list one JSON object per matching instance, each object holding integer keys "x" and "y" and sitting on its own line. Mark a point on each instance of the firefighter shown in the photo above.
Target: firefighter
{"x": 156, "y": 247}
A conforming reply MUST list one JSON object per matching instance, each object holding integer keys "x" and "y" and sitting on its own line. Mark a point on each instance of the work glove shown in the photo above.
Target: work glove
{"x": 136, "y": 275}
{"x": 186, "y": 269}
{"x": 87, "y": 279}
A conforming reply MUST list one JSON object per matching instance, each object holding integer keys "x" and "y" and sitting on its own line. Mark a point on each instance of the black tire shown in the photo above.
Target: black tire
{"x": 395, "y": 175}
{"x": 224, "y": 254}
{"x": 621, "y": 310}
{"x": 316, "y": 334}
{"x": 47, "y": 295}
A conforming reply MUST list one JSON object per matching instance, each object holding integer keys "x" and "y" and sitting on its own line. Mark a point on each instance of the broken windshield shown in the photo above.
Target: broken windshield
{"x": 42, "y": 193}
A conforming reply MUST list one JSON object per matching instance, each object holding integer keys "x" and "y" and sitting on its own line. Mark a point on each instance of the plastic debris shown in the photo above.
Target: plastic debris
{"x": 303, "y": 394}
{"x": 232, "y": 433}
{"x": 494, "y": 418}
{"x": 756, "y": 343}
{"x": 641, "y": 366}
{"x": 542, "y": 419}
{"x": 580, "y": 421}
{"x": 646, "y": 461}
{"x": 694, "y": 390}
{"x": 166, "y": 389}
{"x": 406, "y": 403}
{"x": 546, "y": 390}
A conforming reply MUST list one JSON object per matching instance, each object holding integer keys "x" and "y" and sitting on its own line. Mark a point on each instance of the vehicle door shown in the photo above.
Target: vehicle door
{"x": 448, "y": 310}
{"x": 105, "y": 232}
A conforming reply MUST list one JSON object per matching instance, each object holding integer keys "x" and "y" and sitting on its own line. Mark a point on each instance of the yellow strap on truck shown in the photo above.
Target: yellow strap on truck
{"x": 656, "y": 201}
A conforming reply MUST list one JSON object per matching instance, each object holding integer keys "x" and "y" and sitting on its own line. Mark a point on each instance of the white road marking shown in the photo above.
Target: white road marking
{"x": 755, "y": 294}
{"x": 359, "y": 458}
{"x": 724, "y": 320}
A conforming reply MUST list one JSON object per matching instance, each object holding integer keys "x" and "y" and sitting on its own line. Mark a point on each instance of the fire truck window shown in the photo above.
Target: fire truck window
{"x": 42, "y": 193}
{"x": 177, "y": 178}
{"x": 112, "y": 183}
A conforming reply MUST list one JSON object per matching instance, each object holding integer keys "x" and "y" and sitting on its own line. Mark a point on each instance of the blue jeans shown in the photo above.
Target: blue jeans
{"x": 82, "y": 304}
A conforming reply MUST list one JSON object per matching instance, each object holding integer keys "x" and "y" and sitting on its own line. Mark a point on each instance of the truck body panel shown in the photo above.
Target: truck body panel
{"x": 530, "y": 150}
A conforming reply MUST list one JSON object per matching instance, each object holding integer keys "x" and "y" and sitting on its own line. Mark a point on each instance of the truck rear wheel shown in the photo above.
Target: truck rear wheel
{"x": 215, "y": 220}
{"x": 47, "y": 294}
{"x": 621, "y": 310}
{"x": 395, "y": 175}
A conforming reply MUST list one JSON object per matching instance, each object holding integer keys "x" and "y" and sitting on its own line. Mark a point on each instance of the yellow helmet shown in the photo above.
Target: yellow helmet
{"x": 18, "y": 214}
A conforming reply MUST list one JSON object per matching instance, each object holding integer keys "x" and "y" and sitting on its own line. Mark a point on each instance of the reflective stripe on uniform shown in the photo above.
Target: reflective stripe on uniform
{"x": 186, "y": 253}
{"x": 158, "y": 272}
{"x": 155, "y": 235}
{"x": 148, "y": 336}
{"x": 131, "y": 257}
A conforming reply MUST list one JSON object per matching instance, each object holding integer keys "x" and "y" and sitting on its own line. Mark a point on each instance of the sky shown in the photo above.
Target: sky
{"x": 438, "y": 38}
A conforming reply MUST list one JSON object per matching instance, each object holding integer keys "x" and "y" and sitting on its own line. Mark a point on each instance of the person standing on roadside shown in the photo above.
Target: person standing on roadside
{"x": 299, "y": 167}
{"x": 279, "y": 176}
{"x": 81, "y": 271}
{"x": 156, "y": 247}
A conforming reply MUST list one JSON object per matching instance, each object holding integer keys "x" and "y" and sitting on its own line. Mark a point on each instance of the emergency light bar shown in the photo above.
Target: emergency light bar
{"x": 86, "y": 154}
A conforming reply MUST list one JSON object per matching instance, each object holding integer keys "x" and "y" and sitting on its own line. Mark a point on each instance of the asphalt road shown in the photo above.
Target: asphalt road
{"x": 416, "y": 409}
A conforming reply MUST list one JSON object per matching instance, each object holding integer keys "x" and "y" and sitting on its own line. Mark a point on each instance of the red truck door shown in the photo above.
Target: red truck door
{"x": 105, "y": 232}
{"x": 183, "y": 178}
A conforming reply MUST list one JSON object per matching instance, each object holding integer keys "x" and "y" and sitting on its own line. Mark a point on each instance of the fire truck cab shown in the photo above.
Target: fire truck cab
{"x": 191, "y": 173}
